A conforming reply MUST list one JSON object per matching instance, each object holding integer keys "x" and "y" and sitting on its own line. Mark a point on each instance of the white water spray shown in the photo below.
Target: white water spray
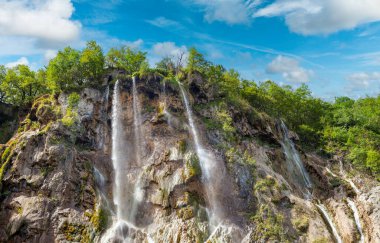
{"x": 329, "y": 220}
{"x": 357, "y": 218}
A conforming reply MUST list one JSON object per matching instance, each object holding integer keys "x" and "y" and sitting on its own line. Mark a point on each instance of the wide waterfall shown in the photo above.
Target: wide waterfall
{"x": 208, "y": 166}
{"x": 357, "y": 218}
{"x": 294, "y": 163}
{"x": 330, "y": 222}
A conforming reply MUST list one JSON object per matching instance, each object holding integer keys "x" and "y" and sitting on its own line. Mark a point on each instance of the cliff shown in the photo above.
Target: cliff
{"x": 151, "y": 169}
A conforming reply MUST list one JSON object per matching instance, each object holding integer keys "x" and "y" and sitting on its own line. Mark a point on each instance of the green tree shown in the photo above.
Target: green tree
{"x": 92, "y": 63}
{"x": 126, "y": 58}
{"x": 196, "y": 61}
{"x": 3, "y": 73}
{"x": 21, "y": 86}
{"x": 64, "y": 71}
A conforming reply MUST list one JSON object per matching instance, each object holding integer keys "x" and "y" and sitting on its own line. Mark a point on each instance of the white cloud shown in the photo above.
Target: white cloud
{"x": 21, "y": 61}
{"x": 163, "y": 22}
{"x": 49, "y": 54}
{"x": 229, "y": 11}
{"x": 47, "y": 21}
{"x": 367, "y": 81}
{"x": 168, "y": 49}
{"x": 290, "y": 69}
{"x": 311, "y": 17}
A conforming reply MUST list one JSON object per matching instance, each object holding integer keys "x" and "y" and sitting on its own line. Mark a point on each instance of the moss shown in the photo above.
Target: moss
{"x": 161, "y": 109}
{"x": 19, "y": 210}
{"x": 269, "y": 225}
{"x": 265, "y": 184}
{"x": 322, "y": 240}
{"x": 75, "y": 232}
{"x": 70, "y": 118}
{"x": 182, "y": 146}
{"x": 301, "y": 223}
{"x": 99, "y": 220}
{"x": 185, "y": 213}
{"x": 73, "y": 100}
{"x": 6, "y": 161}
{"x": 193, "y": 166}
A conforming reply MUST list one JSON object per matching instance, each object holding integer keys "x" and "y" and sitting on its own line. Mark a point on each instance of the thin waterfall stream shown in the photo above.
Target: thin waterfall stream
{"x": 330, "y": 222}
{"x": 297, "y": 171}
{"x": 208, "y": 166}
{"x": 357, "y": 218}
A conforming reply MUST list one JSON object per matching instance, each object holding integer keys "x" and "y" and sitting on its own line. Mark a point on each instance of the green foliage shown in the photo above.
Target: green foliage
{"x": 64, "y": 72}
{"x": 20, "y": 85}
{"x": 301, "y": 223}
{"x": 3, "y": 73}
{"x": 72, "y": 70}
{"x": 92, "y": 63}
{"x": 99, "y": 220}
{"x": 268, "y": 225}
{"x": 73, "y": 100}
{"x": 352, "y": 129}
{"x": 196, "y": 61}
{"x": 70, "y": 118}
{"x": 126, "y": 58}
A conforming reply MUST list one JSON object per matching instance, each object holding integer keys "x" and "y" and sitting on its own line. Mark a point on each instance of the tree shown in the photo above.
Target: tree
{"x": 64, "y": 71}
{"x": 126, "y": 58}
{"x": 196, "y": 61}
{"x": 21, "y": 86}
{"x": 3, "y": 73}
{"x": 92, "y": 63}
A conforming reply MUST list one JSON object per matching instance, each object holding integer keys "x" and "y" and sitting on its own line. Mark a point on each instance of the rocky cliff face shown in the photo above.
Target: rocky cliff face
{"x": 57, "y": 176}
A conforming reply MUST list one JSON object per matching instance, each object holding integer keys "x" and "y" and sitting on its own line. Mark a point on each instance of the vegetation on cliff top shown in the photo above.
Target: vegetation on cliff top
{"x": 348, "y": 128}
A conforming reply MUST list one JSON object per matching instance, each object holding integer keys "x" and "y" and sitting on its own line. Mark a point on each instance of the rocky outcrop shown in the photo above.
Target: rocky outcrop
{"x": 57, "y": 173}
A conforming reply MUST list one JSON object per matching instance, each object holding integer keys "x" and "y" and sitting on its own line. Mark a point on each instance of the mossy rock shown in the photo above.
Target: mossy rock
{"x": 301, "y": 223}
{"x": 185, "y": 213}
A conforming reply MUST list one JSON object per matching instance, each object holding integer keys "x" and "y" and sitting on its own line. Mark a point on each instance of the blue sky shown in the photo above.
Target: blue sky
{"x": 332, "y": 45}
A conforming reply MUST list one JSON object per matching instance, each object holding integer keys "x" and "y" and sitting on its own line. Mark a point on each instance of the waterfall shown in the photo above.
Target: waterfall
{"x": 137, "y": 121}
{"x": 352, "y": 184}
{"x": 329, "y": 220}
{"x": 122, "y": 194}
{"x": 294, "y": 165}
{"x": 117, "y": 155}
{"x": 208, "y": 166}
{"x": 357, "y": 218}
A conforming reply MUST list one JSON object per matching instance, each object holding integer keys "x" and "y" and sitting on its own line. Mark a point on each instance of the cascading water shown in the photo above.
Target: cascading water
{"x": 136, "y": 122}
{"x": 295, "y": 165}
{"x": 208, "y": 166}
{"x": 357, "y": 218}
{"x": 330, "y": 222}
{"x": 122, "y": 193}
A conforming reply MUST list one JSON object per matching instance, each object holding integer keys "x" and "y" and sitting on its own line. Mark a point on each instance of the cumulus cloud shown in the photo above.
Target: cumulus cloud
{"x": 47, "y": 21}
{"x": 310, "y": 17}
{"x": 368, "y": 81}
{"x": 229, "y": 11}
{"x": 21, "y": 61}
{"x": 168, "y": 49}
{"x": 290, "y": 69}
